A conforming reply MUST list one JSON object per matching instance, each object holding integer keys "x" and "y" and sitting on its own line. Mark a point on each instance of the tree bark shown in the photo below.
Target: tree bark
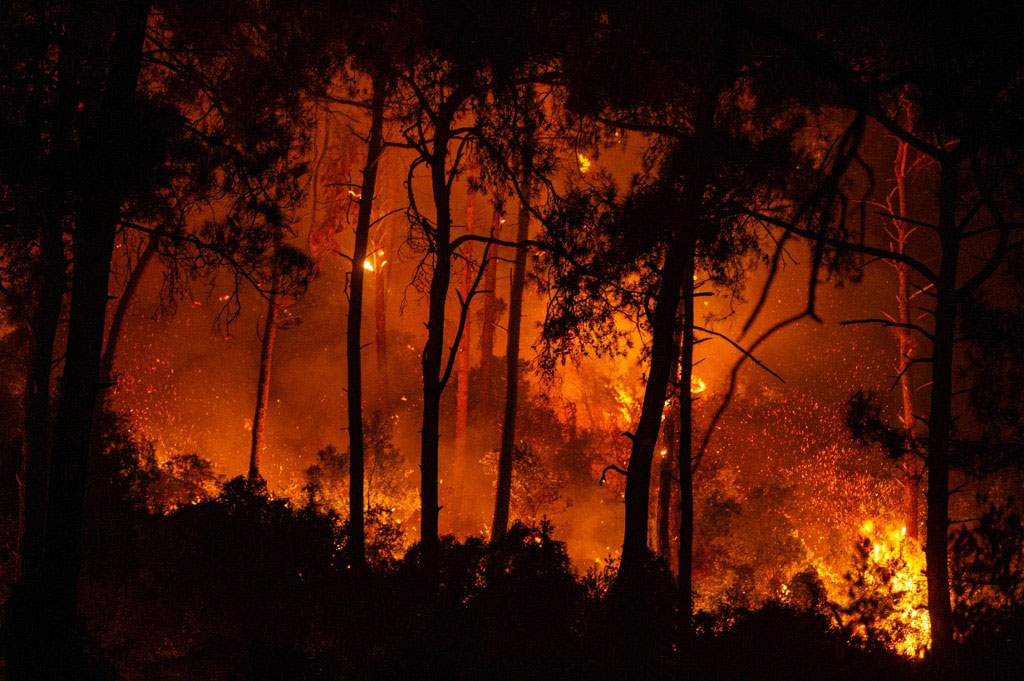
{"x": 263, "y": 391}
{"x": 940, "y": 419}
{"x": 489, "y": 318}
{"x": 353, "y": 339}
{"x": 503, "y": 496}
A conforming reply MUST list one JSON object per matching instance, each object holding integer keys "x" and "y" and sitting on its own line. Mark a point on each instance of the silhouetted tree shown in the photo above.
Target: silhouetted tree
{"x": 461, "y": 98}
{"x": 353, "y": 337}
{"x": 286, "y": 259}
{"x": 503, "y": 494}
{"x": 130, "y": 141}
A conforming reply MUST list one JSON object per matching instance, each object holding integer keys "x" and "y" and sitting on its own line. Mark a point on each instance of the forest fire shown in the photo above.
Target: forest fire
{"x": 409, "y": 340}
{"x": 892, "y": 570}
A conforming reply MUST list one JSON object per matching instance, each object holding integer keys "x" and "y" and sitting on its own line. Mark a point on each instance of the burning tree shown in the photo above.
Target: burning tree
{"x": 964, "y": 96}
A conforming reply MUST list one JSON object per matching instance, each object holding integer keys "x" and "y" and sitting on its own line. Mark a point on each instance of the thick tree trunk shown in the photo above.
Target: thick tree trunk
{"x": 489, "y": 319}
{"x": 940, "y": 420}
{"x": 462, "y": 381}
{"x": 263, "y": 391}
{"x": 503, "y": 496}
{"x": 685, "y": 456}
{"x": 45, "y": 317}
{"x": 433, "y": 381}
{"x": 664, "y": 353}
{"x": 353, "y": 338}
{"x": 50, "y": 643}
{"x": 121, "y": 310}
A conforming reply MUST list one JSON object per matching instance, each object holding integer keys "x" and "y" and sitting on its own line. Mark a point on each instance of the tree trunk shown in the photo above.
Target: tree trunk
{"x": 353, "y": 339}
{"x": 52, "y": 632}
{"x": 35, "y": 453}
{"x": 503, "y": 496}
{"x": 676, "y": 283}
{"x": 433, "y": 381}
{"x": 685, "y": 456}
{"x": 940, "y": 420}
{"x": 911, "y": 467}
{"x": 382, "y": 290}
{"x": 121, "y": 310}
{"x": 462, "y": 385}
{"x": 664, "y": 543}
{"x": 664, "y": 353}
{"x": 263, "y": 391}
{"x": 45, "y": 317}
{"x": 487, "y": 326}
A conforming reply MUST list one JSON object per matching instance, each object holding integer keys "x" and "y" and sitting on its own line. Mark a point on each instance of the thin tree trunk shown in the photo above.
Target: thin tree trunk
{"x": 263, "y": 391}
{"x": 55, "y": 651}
{"x": 685, "y": 454}
{"x": 503, "y": 496}
{"x": 911, "y": 467}
{"x": 433, "y": 381}
{"x": 940, "y": 420}
{"x": 121, "y": 310}
{"x": 490, "y": 315}
{"x": 356, "y": 503}
{"x": 462, "y": 381}
{"x": 381, "y": 293}
{"x": 668, "y": 457}
{"x": 664, "y": 544}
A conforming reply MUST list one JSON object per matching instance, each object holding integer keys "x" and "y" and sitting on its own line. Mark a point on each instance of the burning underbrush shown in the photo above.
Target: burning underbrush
{"x": 213, "y": 578}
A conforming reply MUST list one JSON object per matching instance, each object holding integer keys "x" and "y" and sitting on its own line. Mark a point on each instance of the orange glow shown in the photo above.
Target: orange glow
{"x": 894, "y": 573}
